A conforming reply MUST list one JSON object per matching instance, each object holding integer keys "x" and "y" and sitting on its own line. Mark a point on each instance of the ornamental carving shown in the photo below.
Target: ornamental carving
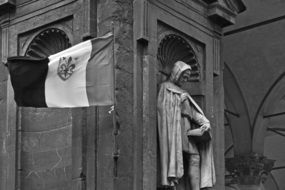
{"x": 173, "y": 48}
{"x": 236, "y": 6}
{"x": 48, "y": 42}
{"x": 250, "y": 169}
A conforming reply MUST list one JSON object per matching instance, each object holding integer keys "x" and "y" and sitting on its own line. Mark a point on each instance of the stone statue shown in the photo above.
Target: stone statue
{"x": 186, "y": 164}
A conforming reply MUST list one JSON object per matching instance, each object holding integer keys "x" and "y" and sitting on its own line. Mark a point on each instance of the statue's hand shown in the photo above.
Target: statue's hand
{"x": 205, "y": 127}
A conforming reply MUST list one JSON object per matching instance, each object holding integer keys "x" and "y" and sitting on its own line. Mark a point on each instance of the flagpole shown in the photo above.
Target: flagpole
{"x": 115, "y": 124}
{"x": 114, "y": 65}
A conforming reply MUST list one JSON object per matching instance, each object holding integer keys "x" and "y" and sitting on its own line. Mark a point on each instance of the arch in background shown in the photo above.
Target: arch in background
{"x": 269, "y": 131}
{"x": 236, "y": 112}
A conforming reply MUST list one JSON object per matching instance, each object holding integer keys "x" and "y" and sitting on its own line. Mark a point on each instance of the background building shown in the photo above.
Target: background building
{"x": 254, "y": 81}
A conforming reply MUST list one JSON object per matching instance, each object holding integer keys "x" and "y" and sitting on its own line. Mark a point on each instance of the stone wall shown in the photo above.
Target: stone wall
{"x": 42, "y": 148}
{"x": 45, "y": 152}
{"x": 7, "y": 134}
{"x": 119, "y": 13}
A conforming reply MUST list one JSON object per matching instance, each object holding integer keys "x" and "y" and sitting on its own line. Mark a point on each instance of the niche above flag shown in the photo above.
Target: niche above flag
{"x": 79, "y": 76}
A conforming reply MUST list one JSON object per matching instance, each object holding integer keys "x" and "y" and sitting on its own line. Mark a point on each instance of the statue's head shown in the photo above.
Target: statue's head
{"x": 180, "y": 73}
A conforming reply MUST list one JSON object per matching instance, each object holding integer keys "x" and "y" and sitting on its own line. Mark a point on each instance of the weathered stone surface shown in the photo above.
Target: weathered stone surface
{"x": 123, "y": 183}
{"x": 46, "y": 141}
{"x": 48, "y": 160}
{"x": 36, "y": 5}
{"x": 56, "y": 179}
{"x": 120, "y": 12}
{"x": 46, "y": 148}
{"x": 44, "y": 119}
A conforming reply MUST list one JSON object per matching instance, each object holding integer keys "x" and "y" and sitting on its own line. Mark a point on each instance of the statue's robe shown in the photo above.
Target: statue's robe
{"x": 172, "y": 132}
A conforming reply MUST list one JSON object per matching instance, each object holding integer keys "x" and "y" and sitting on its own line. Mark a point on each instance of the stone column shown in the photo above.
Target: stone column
{"x": 248, "y": 172}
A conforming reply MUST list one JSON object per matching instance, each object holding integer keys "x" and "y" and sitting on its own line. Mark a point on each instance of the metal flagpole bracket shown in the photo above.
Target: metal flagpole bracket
{"x": 111, "y": 109}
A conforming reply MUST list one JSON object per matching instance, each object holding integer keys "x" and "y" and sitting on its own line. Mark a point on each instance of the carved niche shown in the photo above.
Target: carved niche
{"x": 174, "y": 46}
{"x": 48, "y": 42}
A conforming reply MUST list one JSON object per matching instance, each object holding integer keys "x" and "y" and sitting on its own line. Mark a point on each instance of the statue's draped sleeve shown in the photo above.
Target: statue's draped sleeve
{"x": 191, "y": 119}
{"x": 193, "y": 115}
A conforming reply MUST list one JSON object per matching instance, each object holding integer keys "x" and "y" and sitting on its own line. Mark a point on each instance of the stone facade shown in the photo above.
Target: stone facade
{"x": 83, "y": 148}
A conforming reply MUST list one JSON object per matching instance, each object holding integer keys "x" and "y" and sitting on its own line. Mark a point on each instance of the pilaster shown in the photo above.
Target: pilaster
{"x": 7, "y": 117}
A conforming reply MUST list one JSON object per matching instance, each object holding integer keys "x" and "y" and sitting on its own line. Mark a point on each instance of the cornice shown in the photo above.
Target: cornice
{"x": 234, "y": 5}
{"x": 6, "y": 6}
{"x": 224, "y": 12}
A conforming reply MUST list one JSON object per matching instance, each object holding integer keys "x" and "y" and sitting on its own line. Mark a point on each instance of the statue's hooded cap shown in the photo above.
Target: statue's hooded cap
{"x": 178, "y": 69}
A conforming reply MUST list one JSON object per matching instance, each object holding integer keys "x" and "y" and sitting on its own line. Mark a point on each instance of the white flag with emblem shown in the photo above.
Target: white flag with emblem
{"x": 76, "y": 77}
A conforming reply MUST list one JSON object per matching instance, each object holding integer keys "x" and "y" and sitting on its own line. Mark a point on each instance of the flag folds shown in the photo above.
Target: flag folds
{"x": 79, "y": 76}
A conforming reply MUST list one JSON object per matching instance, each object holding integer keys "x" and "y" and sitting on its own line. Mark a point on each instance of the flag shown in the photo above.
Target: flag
{"x": 79, "y": 76}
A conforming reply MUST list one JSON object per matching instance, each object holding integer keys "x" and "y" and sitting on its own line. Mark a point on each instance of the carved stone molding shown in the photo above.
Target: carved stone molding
{"x": 217, "y": 57}
{"x": 224, "y": 12}
{"x": 235, "y": 5}
{"x": 251, "y": 169}
{"x": 141, "y": 9}
{"x": 5, "y": 40}
{"x": 221, "y": 15}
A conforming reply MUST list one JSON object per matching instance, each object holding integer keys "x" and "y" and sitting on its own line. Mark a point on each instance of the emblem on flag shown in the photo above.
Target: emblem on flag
{"x": 65, "y": 68}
